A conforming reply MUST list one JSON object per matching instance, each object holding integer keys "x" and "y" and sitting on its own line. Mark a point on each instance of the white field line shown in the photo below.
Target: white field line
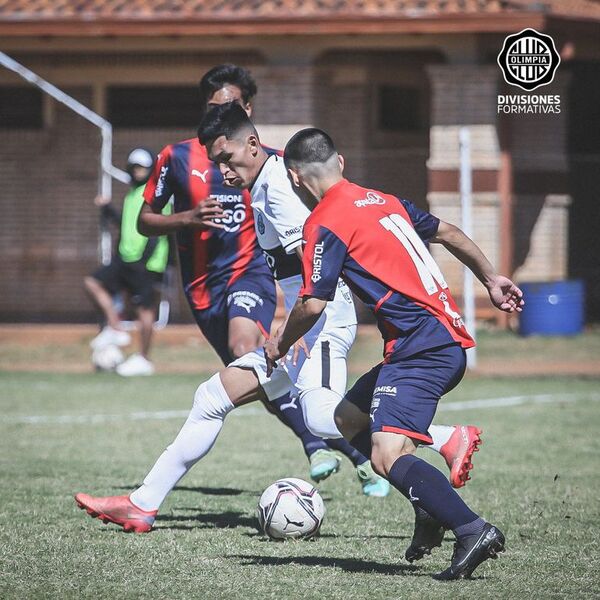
{"x": 517, "y": 401}
{"x": 257, "y": 410}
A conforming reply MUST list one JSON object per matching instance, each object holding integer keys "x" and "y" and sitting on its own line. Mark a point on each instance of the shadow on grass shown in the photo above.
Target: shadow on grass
{"x": 224, "y": 520}
{"x": 217, "y": 491}
{"x": 341, "y": 536}
{"x": 350, "y": 565}
{"x": 209, "y": 491}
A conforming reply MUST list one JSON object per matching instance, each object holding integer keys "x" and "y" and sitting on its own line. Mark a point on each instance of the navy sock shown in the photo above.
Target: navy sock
{"x": 362, "y": 442}
{"x": 346, "y": 449}
{"x": 422, "y": 483}
{"x": 289, "y": 413}
{"x": 474, "y": 528}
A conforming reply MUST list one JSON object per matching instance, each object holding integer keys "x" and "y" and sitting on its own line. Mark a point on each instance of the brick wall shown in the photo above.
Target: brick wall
{"x": 49, "y": 227}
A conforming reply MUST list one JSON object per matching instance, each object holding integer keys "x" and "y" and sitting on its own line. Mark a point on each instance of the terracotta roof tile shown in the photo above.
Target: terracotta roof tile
{"x": 202, "y": 9}
{"x": 223, "y": 10}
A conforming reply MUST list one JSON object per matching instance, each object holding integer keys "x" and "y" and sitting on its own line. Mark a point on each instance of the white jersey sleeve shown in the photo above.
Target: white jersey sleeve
{"x": 279, "y": 217}
{"x": 281, "y": 207}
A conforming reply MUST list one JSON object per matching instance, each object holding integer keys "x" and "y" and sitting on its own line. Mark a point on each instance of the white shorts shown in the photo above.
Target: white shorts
{"x": 326, "y": 366}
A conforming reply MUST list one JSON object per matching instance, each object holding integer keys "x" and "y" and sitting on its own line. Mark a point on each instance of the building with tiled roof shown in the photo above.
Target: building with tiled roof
{"x": 391, "y": 80}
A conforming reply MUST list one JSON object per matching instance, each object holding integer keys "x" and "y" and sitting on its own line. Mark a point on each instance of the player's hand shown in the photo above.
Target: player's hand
{"x": 271, "y": 355}
{"x": 298, "y": 346}
{"x": 204, "y": 214}
{"x": 100, "y": 200}
{"x": 505, "y": 295}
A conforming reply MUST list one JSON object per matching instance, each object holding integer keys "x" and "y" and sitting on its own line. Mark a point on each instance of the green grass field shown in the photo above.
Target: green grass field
{"x": 536, "y": 477}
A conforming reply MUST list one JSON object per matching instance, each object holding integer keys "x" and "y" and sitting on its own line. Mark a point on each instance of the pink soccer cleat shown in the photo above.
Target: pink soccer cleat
{"x": 458, "y": 451}
{"x": 119, "y": 510}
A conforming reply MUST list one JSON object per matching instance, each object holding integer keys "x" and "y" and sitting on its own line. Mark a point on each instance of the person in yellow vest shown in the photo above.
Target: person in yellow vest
{"x": 137, "y": 268}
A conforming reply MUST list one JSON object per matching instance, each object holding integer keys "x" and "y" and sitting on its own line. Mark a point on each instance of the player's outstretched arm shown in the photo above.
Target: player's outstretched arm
{"x": 151, "y": 223}
{"x": 504, "y": 294}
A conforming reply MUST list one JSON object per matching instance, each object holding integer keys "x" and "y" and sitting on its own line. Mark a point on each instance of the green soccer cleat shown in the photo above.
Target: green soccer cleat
{"x": 372, "y": 484}
{"x": 323, "y": 463}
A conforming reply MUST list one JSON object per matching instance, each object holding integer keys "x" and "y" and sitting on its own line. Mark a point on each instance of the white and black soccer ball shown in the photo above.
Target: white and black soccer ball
{"x": 290, "y": 509}
{"x": 107, "y": 358}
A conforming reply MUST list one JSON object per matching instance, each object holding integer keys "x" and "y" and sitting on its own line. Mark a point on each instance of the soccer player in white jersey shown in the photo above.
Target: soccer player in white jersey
{"x": 243, "y": 160}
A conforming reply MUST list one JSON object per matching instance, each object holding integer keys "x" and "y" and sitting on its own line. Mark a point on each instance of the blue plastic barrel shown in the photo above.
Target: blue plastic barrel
{"x": 552, "y": 308}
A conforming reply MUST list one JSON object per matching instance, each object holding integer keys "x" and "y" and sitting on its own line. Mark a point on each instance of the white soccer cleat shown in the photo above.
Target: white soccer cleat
{"x": 110, "y": 337}
{"x": 135, "y": 365}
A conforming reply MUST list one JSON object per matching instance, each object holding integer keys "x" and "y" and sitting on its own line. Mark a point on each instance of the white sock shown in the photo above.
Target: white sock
{"x": 318, "y": 406}
{"x": 196, "y": 438}
{"x": 440, "y": 435}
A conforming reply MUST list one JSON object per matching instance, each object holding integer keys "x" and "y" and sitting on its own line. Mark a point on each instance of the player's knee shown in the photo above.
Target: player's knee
{"x": 386, "y": 452}
{"x": 242, "y": 345}
{"x": 382, "y": 460}
{"x": 211, "y": 401}
{"x": 318, "y": 407}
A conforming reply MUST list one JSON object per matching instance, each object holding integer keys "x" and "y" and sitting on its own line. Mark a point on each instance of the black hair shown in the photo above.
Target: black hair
{"x": 226, "y": 119}
{"x": 220, "y": 76}
{"x": 309, "y": 145}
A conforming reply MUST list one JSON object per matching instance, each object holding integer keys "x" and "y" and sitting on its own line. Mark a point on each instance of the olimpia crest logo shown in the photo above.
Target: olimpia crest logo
{"x": 528, "y": 59}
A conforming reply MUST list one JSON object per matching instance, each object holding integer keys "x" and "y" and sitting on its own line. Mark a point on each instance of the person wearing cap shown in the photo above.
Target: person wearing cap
{"x": 137, "y": 268}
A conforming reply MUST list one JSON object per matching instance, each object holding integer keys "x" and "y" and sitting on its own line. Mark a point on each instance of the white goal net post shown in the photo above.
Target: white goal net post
{"x": 107, "y": 170}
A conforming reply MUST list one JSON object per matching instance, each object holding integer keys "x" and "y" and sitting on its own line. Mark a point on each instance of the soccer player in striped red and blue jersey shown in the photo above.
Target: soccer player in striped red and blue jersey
{"x": 227, "y": 282}
{"x": 379, "y": 249}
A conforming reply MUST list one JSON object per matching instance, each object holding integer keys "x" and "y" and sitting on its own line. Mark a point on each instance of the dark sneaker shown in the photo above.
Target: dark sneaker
{"x": 428, "y": 535}
{"x": 470, "y": 551}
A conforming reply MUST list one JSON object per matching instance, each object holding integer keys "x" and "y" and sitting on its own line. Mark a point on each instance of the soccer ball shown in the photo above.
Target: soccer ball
{"x": 107, "y": 358}
{"x": 290, "y": 509}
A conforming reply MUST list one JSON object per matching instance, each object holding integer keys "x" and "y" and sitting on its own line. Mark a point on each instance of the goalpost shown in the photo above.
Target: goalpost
{"x": 107, "y": 170}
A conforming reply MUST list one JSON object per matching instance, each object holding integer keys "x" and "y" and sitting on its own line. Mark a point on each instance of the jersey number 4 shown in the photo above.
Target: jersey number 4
{"x": 429, "y": 272}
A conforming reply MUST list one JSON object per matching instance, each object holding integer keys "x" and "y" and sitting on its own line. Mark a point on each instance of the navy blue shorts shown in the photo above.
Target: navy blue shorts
{"x": 253, "y": 297}
{"x": 402, "y": 396}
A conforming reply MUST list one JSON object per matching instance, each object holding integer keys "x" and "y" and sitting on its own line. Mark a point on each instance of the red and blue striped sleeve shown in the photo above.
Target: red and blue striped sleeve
{"x": 322, "y": 262}
{"x": 159, "y": 190}
{"x": 425, "y": 224}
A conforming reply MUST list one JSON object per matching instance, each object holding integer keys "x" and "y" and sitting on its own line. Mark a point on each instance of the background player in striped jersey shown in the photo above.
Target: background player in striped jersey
{"x": 378, "y": 248}
{"x": 227, "y": 282}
